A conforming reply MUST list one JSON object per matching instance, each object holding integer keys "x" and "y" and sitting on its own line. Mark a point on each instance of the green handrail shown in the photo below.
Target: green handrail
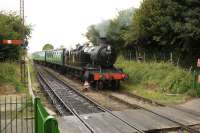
{"x": 44, "y": 123}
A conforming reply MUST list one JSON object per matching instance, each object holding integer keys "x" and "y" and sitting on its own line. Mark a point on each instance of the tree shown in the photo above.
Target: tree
{"x": 113, "y": 29}
{"x": 11, "y": 28}
{"x": 167, "y": 25}
{"x": 47, "y": 47}
{"x": 117, "y": 28}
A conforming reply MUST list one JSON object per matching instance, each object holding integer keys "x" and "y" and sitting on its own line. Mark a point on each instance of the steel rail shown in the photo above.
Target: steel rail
{"x": 98, "y": 105}
{"x": 160, "y": 104}
{"x": 187, "y": 128}
{"x": 71, "y": 109}
{"x": 178, "y": 123}
{"x": 61, "y": 112}
{"x": 106, "y": 110}
{"x": 163, "y": 105}
{"x": 186, "y": 111}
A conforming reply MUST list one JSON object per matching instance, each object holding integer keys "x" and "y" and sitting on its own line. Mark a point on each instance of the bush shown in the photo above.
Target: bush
{"x": 163, "y": 77}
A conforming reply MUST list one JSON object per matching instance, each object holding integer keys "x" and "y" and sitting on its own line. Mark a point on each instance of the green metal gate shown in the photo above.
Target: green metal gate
{"x": 44, "y": 123}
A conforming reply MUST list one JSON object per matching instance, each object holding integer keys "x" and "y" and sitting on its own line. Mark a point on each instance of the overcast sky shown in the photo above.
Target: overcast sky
{"x": 63, "y": 22}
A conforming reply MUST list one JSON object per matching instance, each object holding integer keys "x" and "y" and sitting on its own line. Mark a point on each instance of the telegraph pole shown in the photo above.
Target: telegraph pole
{"x": 22, "y": 10}
{"x": 22, "y": 60}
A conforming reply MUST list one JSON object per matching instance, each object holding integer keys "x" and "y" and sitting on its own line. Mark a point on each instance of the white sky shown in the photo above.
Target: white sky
{"x": 63, "y": 22}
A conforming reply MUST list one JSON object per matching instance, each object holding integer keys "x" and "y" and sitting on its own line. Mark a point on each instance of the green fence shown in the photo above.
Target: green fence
{"x": 44, "y": 123}
{"x": 196, "y": 84}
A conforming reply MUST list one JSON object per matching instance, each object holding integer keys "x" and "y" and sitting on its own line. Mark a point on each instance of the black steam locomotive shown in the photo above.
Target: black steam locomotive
{"x": 92, "y": 64}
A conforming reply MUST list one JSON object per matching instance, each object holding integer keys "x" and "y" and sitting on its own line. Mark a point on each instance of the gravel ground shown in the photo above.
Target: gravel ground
{"x": 98, "y": 96}
{"x": 38, "y": 91}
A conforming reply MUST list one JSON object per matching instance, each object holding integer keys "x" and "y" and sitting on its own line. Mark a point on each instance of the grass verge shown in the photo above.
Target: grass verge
{"x": 161, "y": 81}
{"x": 33, "y": 74}
{"x": 10, "y": 75}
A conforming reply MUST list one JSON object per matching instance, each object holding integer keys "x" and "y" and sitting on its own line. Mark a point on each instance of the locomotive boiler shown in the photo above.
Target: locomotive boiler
{"x": 103, "y": 56}
{"x": 92, "y": 64}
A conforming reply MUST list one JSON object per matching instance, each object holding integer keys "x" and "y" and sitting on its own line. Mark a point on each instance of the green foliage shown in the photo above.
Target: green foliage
{"x": 162, "y": 77}
{"x": 118, "y": 27}
{"x": 10, "y": 74}
{"x": 158, "y": 26}
{"x": 141, "y": 90}
{"x": 47, "y": 47}
{"x": 167, "y": 25}
{"x": 11, "y": 28}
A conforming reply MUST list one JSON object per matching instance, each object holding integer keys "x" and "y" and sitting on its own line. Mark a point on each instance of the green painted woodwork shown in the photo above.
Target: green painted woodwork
{"x": 40, "y": 56}
{"x": 55, "y": 57}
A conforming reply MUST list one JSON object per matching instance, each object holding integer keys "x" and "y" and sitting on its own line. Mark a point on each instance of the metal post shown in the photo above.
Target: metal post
{"x": 5, "y": 115}
{"x": 0, "y": 115}
{"x": 26, "y": 115}
{"x": 22, "y": 62}
{"x": 32, "y": 110}
{"x": 21, "y": 71}
{"x": 197, "y": 82}
{"x": 22, "y": 10}
{"x": 16, "y": 113}
{"x": 11, "y": 113}
{"x": 22, "y": 115}
{"x": 35, "y": 113}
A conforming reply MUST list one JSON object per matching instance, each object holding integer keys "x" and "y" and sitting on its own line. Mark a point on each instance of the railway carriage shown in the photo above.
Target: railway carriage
{"x": 39, "y": 57}
{"x": 92, "y": 64}
{"x": 55, "y": 57}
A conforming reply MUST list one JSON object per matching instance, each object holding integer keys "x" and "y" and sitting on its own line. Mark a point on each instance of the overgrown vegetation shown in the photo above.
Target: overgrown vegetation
{"x": 157, "y": 28}
{"x": 159, "y": 81}
{"x": 10, "y": 75}
{"x": 160, "y": 33}
{"x": 33, "y": 74}
{"x": 12, "y": 28}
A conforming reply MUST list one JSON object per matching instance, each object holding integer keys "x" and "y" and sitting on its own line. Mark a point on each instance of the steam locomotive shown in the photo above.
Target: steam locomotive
{"x": 92, "y": 64}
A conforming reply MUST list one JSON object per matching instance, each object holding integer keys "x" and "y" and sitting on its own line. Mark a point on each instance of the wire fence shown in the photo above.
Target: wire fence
{"x": 170, "y": 57}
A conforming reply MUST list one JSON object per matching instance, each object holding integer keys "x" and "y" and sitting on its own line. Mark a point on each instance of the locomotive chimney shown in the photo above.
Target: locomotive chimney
{"x": 103, "y": 41}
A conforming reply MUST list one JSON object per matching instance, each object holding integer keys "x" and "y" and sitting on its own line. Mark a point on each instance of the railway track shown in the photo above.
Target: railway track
{"x": 65, "y": 93}
{"x": 150, "y": 102}
{"x": 155, "y": 103}
{"x": 63, "y": 96}
{"x": 69, "y": 101}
